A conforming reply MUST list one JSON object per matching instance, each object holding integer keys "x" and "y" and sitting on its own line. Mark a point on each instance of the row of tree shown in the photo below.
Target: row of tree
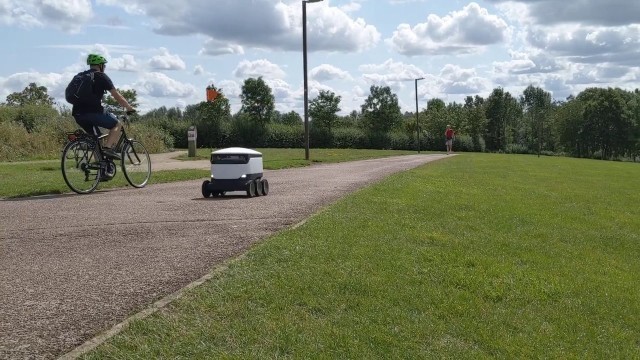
{"x": 598, "y": 122}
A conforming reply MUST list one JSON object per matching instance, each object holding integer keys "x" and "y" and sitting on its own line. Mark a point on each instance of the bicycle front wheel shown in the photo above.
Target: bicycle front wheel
{"x": 136, "y": 164}
{"x": 81, "y": 166}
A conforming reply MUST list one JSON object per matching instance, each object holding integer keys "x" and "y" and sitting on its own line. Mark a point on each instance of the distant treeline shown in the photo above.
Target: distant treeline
{"x": 598, "y": 123}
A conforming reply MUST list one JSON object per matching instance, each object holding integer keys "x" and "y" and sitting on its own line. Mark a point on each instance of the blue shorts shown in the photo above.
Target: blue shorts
{"x": 90, "y": 122}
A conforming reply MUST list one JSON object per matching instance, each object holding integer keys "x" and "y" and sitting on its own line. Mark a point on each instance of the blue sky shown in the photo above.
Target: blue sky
{"x": 169, "y": 51}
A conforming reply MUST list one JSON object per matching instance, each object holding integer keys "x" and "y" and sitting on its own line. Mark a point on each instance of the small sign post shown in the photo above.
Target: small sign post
{"x": 192, "y": 135}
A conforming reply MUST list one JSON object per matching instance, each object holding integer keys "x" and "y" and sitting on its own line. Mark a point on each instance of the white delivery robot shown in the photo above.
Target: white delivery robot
{"x": 236, "y": 169}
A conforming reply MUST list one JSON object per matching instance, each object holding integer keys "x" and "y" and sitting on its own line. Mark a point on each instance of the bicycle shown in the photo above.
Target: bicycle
{"x": 84, "y": 165}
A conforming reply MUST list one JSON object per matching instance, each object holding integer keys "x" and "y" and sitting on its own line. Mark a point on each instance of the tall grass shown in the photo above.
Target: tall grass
{"x": 45, "y": 141}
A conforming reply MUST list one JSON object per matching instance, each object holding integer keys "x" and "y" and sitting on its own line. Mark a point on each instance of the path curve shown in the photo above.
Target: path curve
{"x": 72, "y": 266}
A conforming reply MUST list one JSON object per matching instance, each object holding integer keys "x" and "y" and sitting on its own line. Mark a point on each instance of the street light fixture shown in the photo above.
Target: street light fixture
{"x": 306, "y": 86}
{"x": 417, "y": 123}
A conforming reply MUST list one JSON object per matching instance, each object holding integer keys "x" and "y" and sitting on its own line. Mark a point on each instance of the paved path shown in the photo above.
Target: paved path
{"x": 167, "y": 161}
{"x": 72, "y": 266}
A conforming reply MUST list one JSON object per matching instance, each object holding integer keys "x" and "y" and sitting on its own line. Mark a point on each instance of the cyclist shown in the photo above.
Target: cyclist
{"x": 90, "y": 115}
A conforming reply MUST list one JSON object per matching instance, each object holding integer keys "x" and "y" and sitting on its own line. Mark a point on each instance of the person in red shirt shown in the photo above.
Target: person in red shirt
{"x": 449, "y": 135}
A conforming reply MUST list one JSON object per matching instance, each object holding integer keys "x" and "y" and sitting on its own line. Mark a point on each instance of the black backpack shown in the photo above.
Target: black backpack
{"x": 80, "y": 89}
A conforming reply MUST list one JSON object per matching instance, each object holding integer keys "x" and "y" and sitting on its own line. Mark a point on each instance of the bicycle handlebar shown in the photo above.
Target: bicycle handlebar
{"x": 125, "y": 117}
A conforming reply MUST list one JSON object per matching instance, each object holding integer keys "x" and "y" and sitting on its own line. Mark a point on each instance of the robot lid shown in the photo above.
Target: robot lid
{"x": 237, "y": 151}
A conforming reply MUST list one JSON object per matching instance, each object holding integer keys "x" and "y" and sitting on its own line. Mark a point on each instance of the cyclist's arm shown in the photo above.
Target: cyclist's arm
{"x": 120, "y": 99}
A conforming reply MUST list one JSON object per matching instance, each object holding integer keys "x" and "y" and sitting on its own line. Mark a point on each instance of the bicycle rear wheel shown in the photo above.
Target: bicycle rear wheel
{"x": 81, "y": 166}
{"x": 136, "y": 164}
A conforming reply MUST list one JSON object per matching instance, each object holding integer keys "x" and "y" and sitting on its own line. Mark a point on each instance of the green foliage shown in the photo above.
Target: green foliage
{"x": 32, "y": 117}
{"x": 516, "y": 149}
{"x": 111, "y": 105}
{"x": 350, "y": 138}
{"x": 324, "y": 110}
{"x": 284, "y": 136}
{"x": 155, "y": 140}
{"x": 209, "y": 117}
{"x": 400, "y": 140}
{"x": 44, "y": 143}
{"x": 244, "y": 131}
{"x": 291, "y": 118}
{"x": 45, "y": 139}
{"x": 608, "y": 123}
{"x": 381, "y": 113}
{"x": 176, "y": 129}
{"x": 258, "y": 101}
{"x": 536, "y": 104}
{"x": 31, "y": 95}
{"x": 320, "y": 137}
{"x": 502, "y": 113}
{"x": 465, "y": 143}
{"x": 598, "y": 123}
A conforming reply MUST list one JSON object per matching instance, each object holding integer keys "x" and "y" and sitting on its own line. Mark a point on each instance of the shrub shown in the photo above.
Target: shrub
{"x": 320, "y": 137}
{"x": 18, "y": 144}
{"x": 400, "y": 140}
{"x": 516, "y": 149}
{"x": 464, "y": 143}
{"x": 284, "y": 136}
{"x": 349, "y": 138}
{"x": 154, "y": 139}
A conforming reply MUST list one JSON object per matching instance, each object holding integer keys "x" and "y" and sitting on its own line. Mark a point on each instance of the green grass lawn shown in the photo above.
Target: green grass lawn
{"x": 478, "y": 256}
{"x": 42, "y": 177}
{"x": 274, "y": 159}
{"x": 45, "y": 177}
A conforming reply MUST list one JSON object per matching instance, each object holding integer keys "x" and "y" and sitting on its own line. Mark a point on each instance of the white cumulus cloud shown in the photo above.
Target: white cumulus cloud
{"x": 262, "y": 67}
{"x": 460, "y": 32}
{"x": 166, "y": 61}
{"x": 157, "y": 84}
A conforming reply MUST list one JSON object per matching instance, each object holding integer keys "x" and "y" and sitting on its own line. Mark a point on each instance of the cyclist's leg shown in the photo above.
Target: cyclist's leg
{"x": 109, "y": 121}
{"x": 91, "y": 123}
{"x": 85, "y": 122}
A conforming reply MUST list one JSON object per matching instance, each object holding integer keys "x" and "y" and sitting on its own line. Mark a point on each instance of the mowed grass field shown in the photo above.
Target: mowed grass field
{"x": 43, "y": 177}
{"x": 475, "y": 256}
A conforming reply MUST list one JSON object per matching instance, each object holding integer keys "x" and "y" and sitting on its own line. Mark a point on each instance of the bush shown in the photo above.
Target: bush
{"x": 431, "y": 142}
{"x": 320, "y": 138}
{"x": 175, "y": 129}
{"x": 516, "y": 149}
{"x": 284, "y": 136}
{"x": 154, "y": 139}
{"x": 245, "y": 132}
{"x": 349, "y": 138}
{"x": 31, "y": 117}
{"x": 400, "y": 140}
{"x": 465, "y": 143}
{"x": 17, "y": 144}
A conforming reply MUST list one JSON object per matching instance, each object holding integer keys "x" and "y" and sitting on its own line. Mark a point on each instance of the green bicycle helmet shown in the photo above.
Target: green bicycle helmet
{"x": 95, "y": 59}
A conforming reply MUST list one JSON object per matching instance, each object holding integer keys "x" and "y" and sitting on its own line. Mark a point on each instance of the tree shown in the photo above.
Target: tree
{"x": 537, "y": 106}
{"x": 31, "y": 95}
{"x": 324, "y": 109}
{"x": 291, "y": 118}
{"x": 568, "y": 123}
{"x": 435, "y": 116}
{"x": 608, "y": 124}
{"x": 476, "y": 120}
{"x": 380, "y": 111}
{"x": 111, "y": 105}
{"x": 257, "y": 100}
{"x": 209, "y": 117}
{"x": 502, "y": 111}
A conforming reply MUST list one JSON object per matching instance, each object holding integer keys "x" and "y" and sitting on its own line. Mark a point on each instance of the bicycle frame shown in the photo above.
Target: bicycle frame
{"x": 131, "y": 151}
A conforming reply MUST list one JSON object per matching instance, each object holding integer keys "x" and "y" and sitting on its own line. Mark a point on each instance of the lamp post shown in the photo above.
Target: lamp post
{"x": 417, "y": 123}
{"x": 306, "y": 85}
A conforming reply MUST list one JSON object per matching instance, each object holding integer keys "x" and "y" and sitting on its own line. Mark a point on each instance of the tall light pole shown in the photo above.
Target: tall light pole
{"x": 417, "y": 122}
{"x": 306, "y": 85}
